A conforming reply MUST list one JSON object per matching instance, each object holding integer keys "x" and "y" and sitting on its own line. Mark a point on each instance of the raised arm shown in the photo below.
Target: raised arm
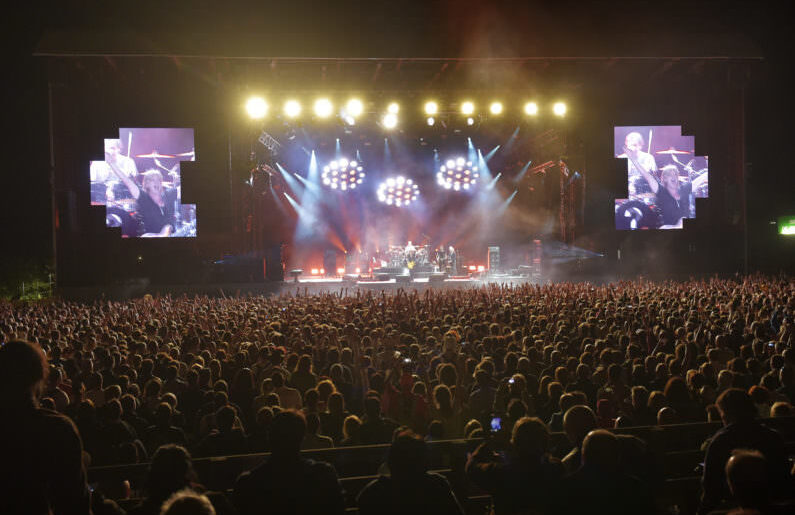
{"x": 126, "y": 180}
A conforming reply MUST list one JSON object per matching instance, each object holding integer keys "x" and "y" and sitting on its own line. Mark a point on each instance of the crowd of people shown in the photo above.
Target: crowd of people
{"x": 161, "y": 380}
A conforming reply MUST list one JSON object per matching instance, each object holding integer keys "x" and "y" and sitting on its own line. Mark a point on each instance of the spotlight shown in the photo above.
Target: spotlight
{"x": 256, "y": 107}
{"x": 467, "y": 108}
{"x": 389, "y": 121}
{"x": 398, "y": 191}
{"x": 496, "y": 108}
{"x": 354, "y": 107}
{"x": 342, "y": 174}
{"x": 430, "y": 121}
{"x": 559, "y": 108}
{"x": 393, "y": 108}
{"x": 457, "y": 174}
{"x": 431, "y": 107}
{"x": 292, "y": 108}
{"x": 470, "y": 121}
{"x": 531, "y": 108}
{"x": 323, "y": 107}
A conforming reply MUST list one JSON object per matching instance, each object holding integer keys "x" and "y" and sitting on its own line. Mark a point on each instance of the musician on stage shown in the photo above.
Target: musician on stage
{"x": 452, "y": 259}
{"x": 155, "y": 213}
{"x": 673, "y": 198}
{"x": 633, "y": 147}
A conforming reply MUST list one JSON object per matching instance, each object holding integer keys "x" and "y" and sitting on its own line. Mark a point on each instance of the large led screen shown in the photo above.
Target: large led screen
{"x": 664, "y": 177}
{"x": 139, "y": 183}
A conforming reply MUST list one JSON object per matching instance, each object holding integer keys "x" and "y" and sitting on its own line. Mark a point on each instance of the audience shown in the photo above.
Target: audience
{"x": 221, "y": 376}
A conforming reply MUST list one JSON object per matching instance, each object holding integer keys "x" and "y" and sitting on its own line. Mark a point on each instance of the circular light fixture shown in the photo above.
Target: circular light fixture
{"x": 256, "y": 107}
{"x": 531, "y": 108}
{"x": 431, "y": 107}
{"x": 393, "y": 108}
{"x": 354, "y": 107}
{"x": 323, "y": 107}
{"x": 467, "y": 108}
{"x": 495, "y": 108}
{"x": 457, "y": 174}
{"x": 559, "y": 108}
{"x": 470, "y": 121}
{"x": 389, "y": 121}
{"x": 430, "y": 121}
{"x": 342, "y": 174}
{"x": 292, "y": 108}
{"x": 398, "y": 191}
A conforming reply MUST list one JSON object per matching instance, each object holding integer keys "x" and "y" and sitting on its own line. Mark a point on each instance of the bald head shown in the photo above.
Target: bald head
{"x": 600, "y": 449}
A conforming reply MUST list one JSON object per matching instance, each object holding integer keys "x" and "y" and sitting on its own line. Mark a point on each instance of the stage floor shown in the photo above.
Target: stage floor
{"x": 334, "y": 284}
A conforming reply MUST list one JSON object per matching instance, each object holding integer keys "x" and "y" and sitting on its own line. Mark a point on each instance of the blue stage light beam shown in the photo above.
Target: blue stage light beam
{"x": 511, "y": 141}
{"x": 337, "y": 150}
{"x": 491, "y": 154}
{"x": 472, "y": 153}
{"x": 310, "y": 187}
{"x": 387, "y": 152}
{"x": 522, "y": 173}
{"x": 314, "y": 170}
{"x": 288, "y": 178}
{"x": 490, "y": 185}
{"x": 504, "y": 206}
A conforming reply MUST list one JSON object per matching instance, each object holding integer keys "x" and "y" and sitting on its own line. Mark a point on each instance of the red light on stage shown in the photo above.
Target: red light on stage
{"x": 358, "y": 270}
{"x": 472, "y": 268}
{"x": 481, "y": 268}
{"x": 340, "y": 271}
{"x": 314, "y": 271}
{"x": 322, "y": 271}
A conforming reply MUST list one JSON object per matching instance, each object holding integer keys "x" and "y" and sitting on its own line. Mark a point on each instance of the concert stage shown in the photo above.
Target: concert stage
{"x": 333, "y": 284}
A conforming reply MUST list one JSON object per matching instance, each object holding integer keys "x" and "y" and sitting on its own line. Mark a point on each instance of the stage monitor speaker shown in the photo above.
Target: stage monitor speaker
{"x": 403, "y": 279}
{"x": 494, "y": 259}
{"x": 330, "y": 262}
{"x": 382, "y": 277}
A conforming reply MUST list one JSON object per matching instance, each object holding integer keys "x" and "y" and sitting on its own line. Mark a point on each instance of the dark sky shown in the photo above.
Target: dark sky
{"x": 377, "y": 28}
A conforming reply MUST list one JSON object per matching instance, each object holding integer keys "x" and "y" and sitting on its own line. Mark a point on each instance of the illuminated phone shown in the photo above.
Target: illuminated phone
{"x": 496, "y": 424}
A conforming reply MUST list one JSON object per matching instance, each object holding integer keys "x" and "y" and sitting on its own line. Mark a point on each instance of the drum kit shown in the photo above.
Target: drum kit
{"x": 408, "y": 256}
{"x": 121, "y": 205}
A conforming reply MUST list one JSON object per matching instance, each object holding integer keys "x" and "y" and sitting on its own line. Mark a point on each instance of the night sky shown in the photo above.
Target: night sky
{"x": 378, "y": 28}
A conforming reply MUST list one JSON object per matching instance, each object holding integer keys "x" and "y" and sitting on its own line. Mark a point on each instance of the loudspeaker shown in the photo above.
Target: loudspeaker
{"x": 403, "y": 279}
{"x": 494, "y": 259}
{"x": 437, "y": 277}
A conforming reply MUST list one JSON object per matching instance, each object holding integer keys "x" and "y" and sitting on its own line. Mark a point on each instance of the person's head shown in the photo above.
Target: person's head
{"x": 312, "y": 424}
{"x": 408, "y": 456}
{"x": 23, "y": 370}
{"x": 600, "y": 449}
{"x": 171, "y": 470}
{"x": 669, "y": 176}
{"x": 225, "y": 418}
{"x": 746, "y": 474}
{"x": 351, "y": 426}
{"x": 187, "y": 502}
{"x": 634, "y": 141}
{"x": 781, "y": 409}
{"x": 287, "y": 432}
{"x": 336, "y": 403}
{"x": 667, "y": 416}
{"x": 578, "y": 421}
{"x": 735, "y": 405}
{"x": 530, "y": 438}
{"x": 152, "y": 182}
{"x": 113, "y": 147}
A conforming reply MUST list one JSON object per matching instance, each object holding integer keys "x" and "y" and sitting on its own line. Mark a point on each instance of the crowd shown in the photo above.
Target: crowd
{"x": 160, "y": 380}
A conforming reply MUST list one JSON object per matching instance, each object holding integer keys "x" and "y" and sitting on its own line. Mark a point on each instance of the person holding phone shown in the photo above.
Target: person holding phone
{"x": 520, "y": 480}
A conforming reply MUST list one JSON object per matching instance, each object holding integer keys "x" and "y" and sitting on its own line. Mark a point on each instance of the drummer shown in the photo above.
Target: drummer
{"x": 154, "y": 211}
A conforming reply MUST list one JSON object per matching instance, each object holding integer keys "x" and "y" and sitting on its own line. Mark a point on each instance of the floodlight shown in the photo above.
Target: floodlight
{"x": 390, "y": 121}
{"x": 323, "y": 107}
{"x": 354, "y": 107}
{"x": 292, "y": 108}
{"x": 256, "y": 107}
{"x": 431, "y": 107}
{"x": 496, "y": 108}
{"x": 467, "y": 108}
{"x": 559, "y": 108}
{"x": 393, "y": 108}
{"x": 531, "y": 108}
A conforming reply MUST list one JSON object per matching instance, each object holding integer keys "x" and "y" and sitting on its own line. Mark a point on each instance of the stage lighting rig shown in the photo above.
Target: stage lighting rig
{"x": 457, "y": 174}
{"x": 559, "y": 108}
{"x": 292, "y": 108}
{"x": 323, "y": 108}
{"x": 398, "y": 191}
{"x": 257, "y": 108}
{"x": 531, "y": 109}
{"x": 342, "y": 174}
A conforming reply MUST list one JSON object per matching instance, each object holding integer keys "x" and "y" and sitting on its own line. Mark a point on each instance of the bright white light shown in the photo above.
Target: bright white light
{"x": 323, "y": 107}
{"x": 470, "y": 121}
{"x": 256, "y": 107}
{"x": 496, "y": 108}
{"x": 430, "y": 121}
{"x": 559, "y": 108}
{"x": 531, "y": 108}
{"x": 397, "y": 191}
{"x": 431, "y": 107}
{"x": 457, "y": 174}
{"x": 354, "y": 107}
{"x": 390, "y": 121}
{"x": 350, "y": 120}
{"x": 393, "y": 108}
{"x": 343, "y": 174}
{"x": 292, "y": 108}
{"x": 467, "y": 108}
